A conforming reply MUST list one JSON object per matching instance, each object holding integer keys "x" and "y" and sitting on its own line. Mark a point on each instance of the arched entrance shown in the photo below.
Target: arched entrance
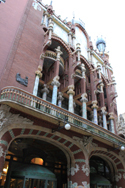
{"x": 34, "y": 163}
{"x": 100, "y": 173}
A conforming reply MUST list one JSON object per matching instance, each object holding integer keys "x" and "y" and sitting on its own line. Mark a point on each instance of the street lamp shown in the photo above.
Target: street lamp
{"x": 66, "y": 125}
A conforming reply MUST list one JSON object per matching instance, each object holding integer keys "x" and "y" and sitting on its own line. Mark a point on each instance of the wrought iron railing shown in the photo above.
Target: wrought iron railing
{"x": 18, "y": 96}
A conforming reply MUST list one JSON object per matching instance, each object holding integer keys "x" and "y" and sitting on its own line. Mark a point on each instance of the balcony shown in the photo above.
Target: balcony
{"x": 37, "y": 107}
{"x": 52, "y": 55}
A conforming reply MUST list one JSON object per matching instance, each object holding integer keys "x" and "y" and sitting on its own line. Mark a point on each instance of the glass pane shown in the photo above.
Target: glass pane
{"x": 12, "y": 183}
{"x": 42, "y": 184}
{"x": 50, "y": 184}
{"x": 19, "y": 183}
{"x": 28, "y": 183}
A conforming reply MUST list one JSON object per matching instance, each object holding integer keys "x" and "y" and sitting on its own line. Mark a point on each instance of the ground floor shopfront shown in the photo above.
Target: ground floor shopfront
{"x": 33, "y": 155}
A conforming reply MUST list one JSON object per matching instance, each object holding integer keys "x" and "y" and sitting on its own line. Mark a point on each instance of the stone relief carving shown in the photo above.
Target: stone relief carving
{"x": 21, "y": 80}
{"x": 86, "y": 142}
{"x": 85, "y": 169}
{"x": 7, "y": 118}
{"x": 73, "y": 170}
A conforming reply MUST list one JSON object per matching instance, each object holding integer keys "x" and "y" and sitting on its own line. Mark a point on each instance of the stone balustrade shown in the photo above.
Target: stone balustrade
{"x": 20, "y": 97}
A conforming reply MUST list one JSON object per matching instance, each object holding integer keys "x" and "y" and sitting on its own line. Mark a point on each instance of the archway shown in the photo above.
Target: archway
{"x": 20, "y": 157}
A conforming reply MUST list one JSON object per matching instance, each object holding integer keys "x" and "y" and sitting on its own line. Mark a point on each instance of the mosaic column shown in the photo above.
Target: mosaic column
{"x": 55, "y": 83}
{"x": 104, "y": 117}
{"x": 45, "y": 91}
{"x": 84, "y": 106}
{"x": 38, "y": 75}
{"x": 94, "y": 107}
{"x": 60, "y": 99}
{"x": 78, "y": 50}
{"x": 71, "y": 93}
{"x": 111, "y": 120}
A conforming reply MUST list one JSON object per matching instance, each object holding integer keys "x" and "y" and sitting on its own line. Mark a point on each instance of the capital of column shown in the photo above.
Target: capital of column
{"x": 45, "y": 89}
{"x": 55, "y": 81}
{"x": 84, "y": 97}
{"x": 94, "y": 103}
{"x": 111, "y": 114}
{"x": 78, "y": 47}
{"x": 98, "y": 67}
{"x": 103, "y": 109}
{"x": 60, "y": 96}
{"x": 58, "y": 52}
{"x": 38, "y": 72}
{"x": 70, "y": 33}
{"x": 71, "y": 88}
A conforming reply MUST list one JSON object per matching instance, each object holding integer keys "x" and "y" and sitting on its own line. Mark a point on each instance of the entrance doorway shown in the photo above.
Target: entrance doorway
{"x": 100, "y": 173}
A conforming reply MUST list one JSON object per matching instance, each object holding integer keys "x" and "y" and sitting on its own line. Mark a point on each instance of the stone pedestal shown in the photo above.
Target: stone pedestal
{"x": 94, "y": 107}
{"x": 60, "y": 99}
{"x": 38, "y": 75}
{"x": 84, "y": 106}
{"x": 104, "y": 117}
{"x": 55, "y": 83}
{"x": 71, "y": 93}
{"x": 45, "y": 91}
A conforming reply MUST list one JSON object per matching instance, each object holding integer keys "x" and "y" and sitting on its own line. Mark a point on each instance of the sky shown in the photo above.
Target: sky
{"x": 104, "y": 18}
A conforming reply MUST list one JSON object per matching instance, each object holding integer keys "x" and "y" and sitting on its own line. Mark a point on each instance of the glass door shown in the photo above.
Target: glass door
{"x": 16, "y": 183}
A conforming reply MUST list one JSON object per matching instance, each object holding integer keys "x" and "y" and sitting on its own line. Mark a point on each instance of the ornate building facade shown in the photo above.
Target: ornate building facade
{"x": 58, "y": 111}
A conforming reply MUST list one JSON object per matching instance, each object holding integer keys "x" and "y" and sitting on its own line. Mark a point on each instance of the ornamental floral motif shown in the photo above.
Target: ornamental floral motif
{"x": 118, "y": 177}
{"x": 2, "y": 153}
{"x": 73, "y": 170}
{"x": 85, "y": 169}
{"x": 85, "y": 184}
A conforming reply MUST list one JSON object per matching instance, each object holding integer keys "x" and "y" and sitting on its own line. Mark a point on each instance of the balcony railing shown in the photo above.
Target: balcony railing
{"x": 52, "y": 55}
{"x": 21, "y": 97}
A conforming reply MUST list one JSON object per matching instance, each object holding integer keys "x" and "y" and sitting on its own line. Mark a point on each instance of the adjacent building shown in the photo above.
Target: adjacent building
{"x": 58, "y": 110}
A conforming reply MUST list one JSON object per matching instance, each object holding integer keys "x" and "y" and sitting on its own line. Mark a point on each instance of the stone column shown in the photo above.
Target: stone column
{"x": 55, "y": 83}
{"x": 45, "y": 91}
{"x": 74, "y": 105}
{"x": 94, "y": 107}
{"x": 50, "y": 29}
{"x": 99, "y": 70}
{"x": 73, "y": 40}
{"x": 70, "y": 38}
{"x": 60, "y": 99}
{"x": 44, "y": 19}
{"x": 78, "y": 50}
{"x": 83, "y": 80}
{"x": 93, "y": 96}
{"x": 111, "y": 120}
{"x": 57, "y": 62}
{"x": 89, "y": 56}
{"x": 114, "y": 83}
{"x": 104, "y": 117}
{"x": 38, "y": 75}
{"x": 84, "y": 106}
{"x": 71, "y": 93}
